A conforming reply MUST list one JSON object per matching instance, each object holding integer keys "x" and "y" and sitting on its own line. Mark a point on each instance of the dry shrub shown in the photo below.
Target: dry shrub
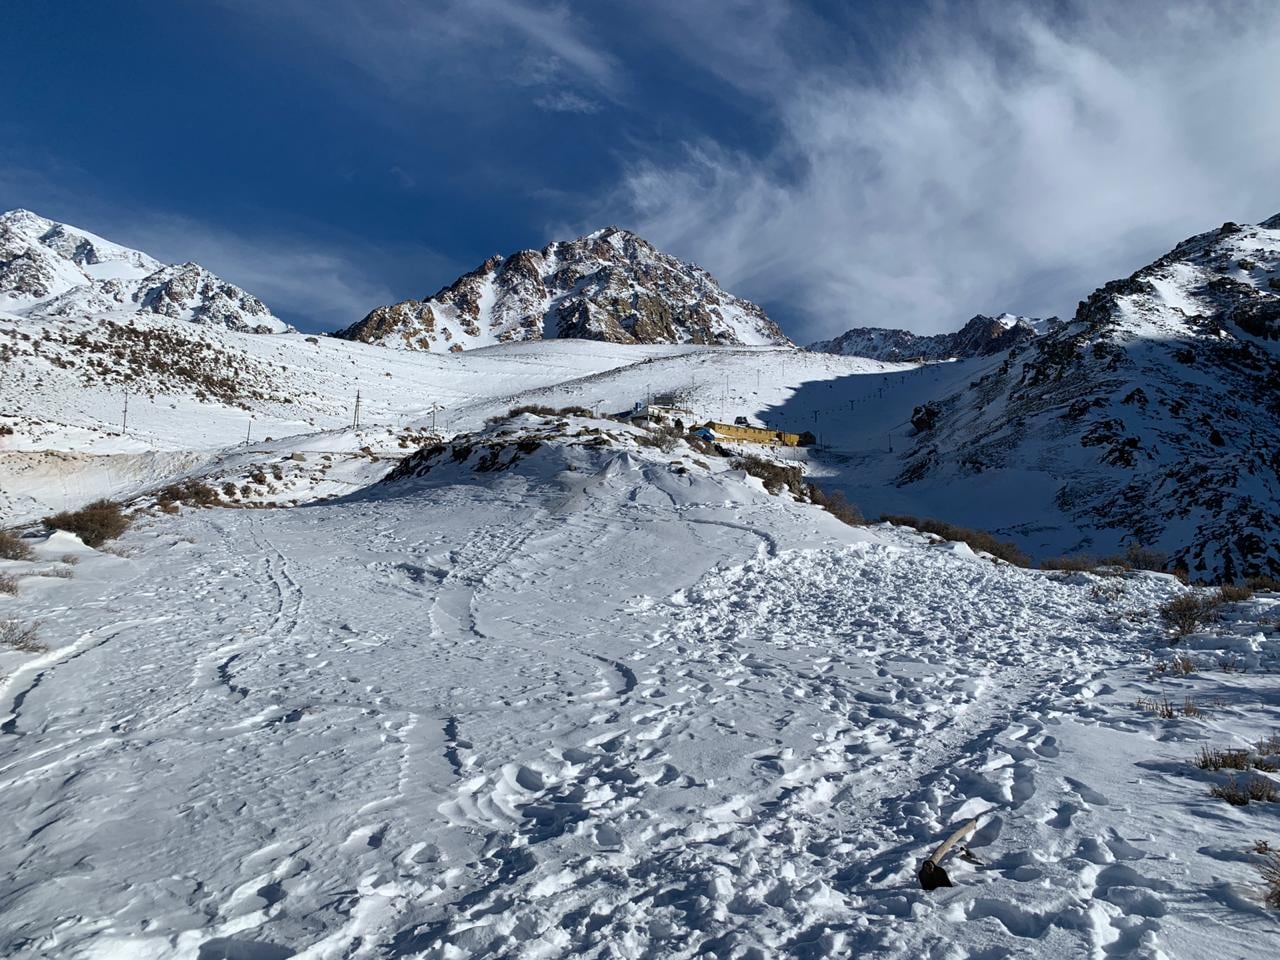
{"x": 836, "y": 504}
{"x": 13, "y": 547}
{"x": 189, "y": 491}
{"x": 70, "y": 559}
{"x": 1213, "y": 758}
{"x": 774, "y": 476}
{"x": 663, "y": 438}
{"x": 1079, "y": 563}
{"x": 1269, "y": 870}
{"x": 1187, "y": 613}
{"x": 1239, "y": 791}
{"x": 25, "y": 638}
{"x": 95, "y": 524}
{"x": 1234, "y": 593}
{"x": 1263, "y": 584}
{"x": 1137, "y": 557}
{"x": 1165, "y": 709}
{"x": 977, "y": 539}
{"x": 8, "y": 584}
{"x": 1182, "y": 665}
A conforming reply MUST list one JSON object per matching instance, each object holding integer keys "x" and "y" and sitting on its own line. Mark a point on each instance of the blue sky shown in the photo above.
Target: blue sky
{"x": 903, "y": 165}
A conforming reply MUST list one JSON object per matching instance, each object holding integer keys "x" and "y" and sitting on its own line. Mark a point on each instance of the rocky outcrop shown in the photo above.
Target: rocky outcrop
{"x": 609, "y": 285}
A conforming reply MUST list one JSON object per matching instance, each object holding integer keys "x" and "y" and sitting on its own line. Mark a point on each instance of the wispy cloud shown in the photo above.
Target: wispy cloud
{"x": 999, "y": 162}
{"x": 423, "y": 52}
{"x": 566, "y": 101}
{"x": 316, "y": 285}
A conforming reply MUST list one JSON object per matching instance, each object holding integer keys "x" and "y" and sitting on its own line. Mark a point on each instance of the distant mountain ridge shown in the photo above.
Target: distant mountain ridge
{"x": 980, "y": 337}
{"x": 1156, "y": 410}
{"x": 52, "y": 269}
{"x": 609, "y": 285}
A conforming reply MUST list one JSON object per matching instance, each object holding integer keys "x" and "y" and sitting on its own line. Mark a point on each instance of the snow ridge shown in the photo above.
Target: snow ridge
{"x": 51, "y": 269}
{"x": 980, "y": 337}
{"x": 609, "y": 285}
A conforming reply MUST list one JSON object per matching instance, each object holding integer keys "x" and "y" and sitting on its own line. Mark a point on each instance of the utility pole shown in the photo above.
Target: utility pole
{"x": 434, "y": 407}
{"x": 355, "y": 418}
{"x": 124, "y": 420}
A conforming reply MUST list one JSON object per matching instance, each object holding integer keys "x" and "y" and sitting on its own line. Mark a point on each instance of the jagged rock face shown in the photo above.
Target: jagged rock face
{"x": 1157, "y": 407}
{"x": 50, "y": 269}
{"x": 980, "y": 337}
{"x": 610, "y": 285}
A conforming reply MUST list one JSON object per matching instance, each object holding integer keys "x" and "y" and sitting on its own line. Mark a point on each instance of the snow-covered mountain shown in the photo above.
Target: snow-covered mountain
{"x": 1156, "y": 409}
{"x": 609, "y": 285}
{"x": 51, "y": 269}
{"x": 980, "y": 337}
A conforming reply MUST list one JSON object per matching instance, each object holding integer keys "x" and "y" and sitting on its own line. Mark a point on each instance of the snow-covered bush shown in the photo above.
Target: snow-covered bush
{"x": 8, "y": 584}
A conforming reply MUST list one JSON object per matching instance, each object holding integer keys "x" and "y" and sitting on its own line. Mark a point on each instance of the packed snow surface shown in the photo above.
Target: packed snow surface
{"x": 579, "y": 696}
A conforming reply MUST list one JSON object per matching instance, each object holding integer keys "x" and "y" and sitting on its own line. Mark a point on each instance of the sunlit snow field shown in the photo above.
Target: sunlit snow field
{"x": 610, "y": 702}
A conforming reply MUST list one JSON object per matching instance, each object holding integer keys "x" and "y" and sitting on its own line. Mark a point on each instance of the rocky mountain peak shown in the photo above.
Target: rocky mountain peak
{"x": 607, "y": 285}
{"x": 55, "y": 269}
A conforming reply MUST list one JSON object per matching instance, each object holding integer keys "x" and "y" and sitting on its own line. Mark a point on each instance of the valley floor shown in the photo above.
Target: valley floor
{"x": 620, "y": 718}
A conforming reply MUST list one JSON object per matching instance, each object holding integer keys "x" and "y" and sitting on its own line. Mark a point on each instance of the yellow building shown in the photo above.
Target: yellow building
{"x": 735, "y": 431}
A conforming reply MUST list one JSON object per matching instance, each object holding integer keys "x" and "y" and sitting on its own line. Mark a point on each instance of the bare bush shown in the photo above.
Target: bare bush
{"x": 1240, "y": 791}
{"x": 1186, "y": 613}
{"x": 13, "y": 547}
{"x": 1269, "y": 870}
{"x": 774, "y": 476}
{"x": 15, "y": 635}
{"x": 190, "y": 491}
{"x": 1213, "y": 758}
{"x": 1263, "y": 584}
{"x": 95, "y": 524}
{"x": 1234, "y": 593}
{"x": 8, "y": 584}
{"x": 977, "y": 539}
{"x": 836, "y": 504}
{"x": 1078, "y": 563}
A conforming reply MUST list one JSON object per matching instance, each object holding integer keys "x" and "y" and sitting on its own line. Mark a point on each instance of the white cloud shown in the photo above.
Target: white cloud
{"x": 566, "y": 101}
{"x": 999, "y": 163}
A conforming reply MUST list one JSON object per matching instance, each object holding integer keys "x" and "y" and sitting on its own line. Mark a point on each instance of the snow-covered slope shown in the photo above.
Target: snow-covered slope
{"x": 1156, "y": 411}
{"x": 585, "y": 697}
{"x": 980, "y": 337}
{"x": 51, "y": 269}
{"x": 609, "y": 285}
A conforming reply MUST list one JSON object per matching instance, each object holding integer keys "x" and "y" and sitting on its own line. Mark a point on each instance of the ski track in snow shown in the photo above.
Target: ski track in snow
{"x": 460, "y": 726}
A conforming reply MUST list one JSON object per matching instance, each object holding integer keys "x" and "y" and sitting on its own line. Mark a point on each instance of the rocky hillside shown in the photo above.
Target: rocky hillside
{"x": 609, "y": 285}
{"x": 1156, "y": 409}
{"x": 51, "y": 269}
{"x": 980, "y": 337}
